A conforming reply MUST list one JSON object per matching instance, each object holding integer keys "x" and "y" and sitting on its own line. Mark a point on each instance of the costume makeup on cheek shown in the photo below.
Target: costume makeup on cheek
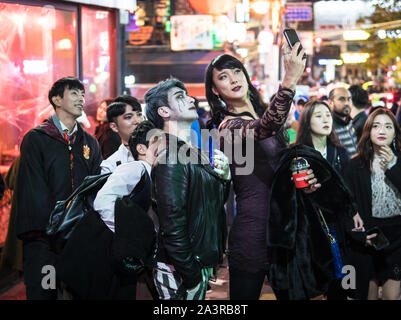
{"x": 181, "y": 106}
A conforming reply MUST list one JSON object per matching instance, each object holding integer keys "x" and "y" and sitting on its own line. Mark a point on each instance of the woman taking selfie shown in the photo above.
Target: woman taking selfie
{"x": 236, "y": 106}
{"x": 374, "y": 176}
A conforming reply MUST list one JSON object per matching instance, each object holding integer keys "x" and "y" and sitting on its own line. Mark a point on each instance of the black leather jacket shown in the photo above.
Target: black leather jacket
{"x": 189, "y": 201}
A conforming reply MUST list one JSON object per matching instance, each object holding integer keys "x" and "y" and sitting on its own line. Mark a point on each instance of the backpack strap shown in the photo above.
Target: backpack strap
{"x": 141, "y": 184}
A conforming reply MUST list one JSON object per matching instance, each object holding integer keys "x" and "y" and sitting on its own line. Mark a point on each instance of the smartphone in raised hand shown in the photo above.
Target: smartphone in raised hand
{"x": 292, "y": 38}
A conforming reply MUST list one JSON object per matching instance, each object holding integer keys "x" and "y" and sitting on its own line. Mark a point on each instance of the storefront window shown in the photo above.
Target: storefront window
{"x": 98, "y": 58}
{"x": 37, "y": 47}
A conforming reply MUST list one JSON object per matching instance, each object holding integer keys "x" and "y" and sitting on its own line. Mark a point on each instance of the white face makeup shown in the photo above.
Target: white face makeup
{"x": 182, "y": 107}
{"x": 321, "y": 121}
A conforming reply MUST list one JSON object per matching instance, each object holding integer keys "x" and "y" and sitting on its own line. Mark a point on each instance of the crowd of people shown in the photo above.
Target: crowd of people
{"x": 160, "y": 211}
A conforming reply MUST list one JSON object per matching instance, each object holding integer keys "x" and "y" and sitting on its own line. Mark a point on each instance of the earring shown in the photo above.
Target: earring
{"x": 394, "y": 145}
{"x": 222, "y": 103}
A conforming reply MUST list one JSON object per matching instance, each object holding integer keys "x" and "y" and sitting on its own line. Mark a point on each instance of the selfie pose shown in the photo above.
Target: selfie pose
{"x": 237, "y": 106}
{"x": 374, "y": 176}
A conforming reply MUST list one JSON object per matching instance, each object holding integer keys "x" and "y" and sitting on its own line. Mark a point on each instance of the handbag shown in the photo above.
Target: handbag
{"x": 67, "y": 213}
{"x": 331, "y": 235}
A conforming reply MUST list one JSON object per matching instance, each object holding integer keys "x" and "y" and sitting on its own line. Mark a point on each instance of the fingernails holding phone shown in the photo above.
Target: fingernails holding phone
{"x": 375, "y": 237}
{"x": 292, "y": 38}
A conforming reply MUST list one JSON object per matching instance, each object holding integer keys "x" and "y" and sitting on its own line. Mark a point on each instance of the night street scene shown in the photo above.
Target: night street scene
{"x": 222, "y": 151}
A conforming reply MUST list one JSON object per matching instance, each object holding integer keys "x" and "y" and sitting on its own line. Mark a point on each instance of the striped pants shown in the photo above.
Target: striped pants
{"x": 169, "y": 284}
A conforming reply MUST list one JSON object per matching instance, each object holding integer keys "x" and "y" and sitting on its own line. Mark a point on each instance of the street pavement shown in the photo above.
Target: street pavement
{"x": 219, "y": 288}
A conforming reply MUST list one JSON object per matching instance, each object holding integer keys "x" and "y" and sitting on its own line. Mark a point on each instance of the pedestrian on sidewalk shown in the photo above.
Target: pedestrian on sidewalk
{"x": 237, "y": 106}
{"x": 374, "y": 176}
{"x": 189, "y": 196}
{"x": 55, "y": 158}
{"x": 316, "y": 131}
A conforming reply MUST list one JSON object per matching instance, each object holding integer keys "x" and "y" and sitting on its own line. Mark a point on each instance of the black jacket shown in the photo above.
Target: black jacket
{"x": 44, "y": 173}
{"x": 300, "y": 252}
{"x": 337, "y": 157}
{"x": 358, "y": 177}
{"x": 189, "y": 201}
{"x": 358, "y": 122}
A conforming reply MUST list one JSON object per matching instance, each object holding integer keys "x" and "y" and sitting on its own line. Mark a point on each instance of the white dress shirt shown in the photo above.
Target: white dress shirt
{"x": 120, "y": 183}
{"x": 122, "y": 155}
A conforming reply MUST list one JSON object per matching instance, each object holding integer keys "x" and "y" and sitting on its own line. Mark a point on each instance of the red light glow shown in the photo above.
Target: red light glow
{"x": 389, "y": 96}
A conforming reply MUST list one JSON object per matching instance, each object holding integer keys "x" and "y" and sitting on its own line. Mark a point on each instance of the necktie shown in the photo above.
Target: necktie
{"x": 69, "y": 143}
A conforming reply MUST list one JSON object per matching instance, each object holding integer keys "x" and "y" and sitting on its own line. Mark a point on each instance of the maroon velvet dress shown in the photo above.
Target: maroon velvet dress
{"x": 247, "y": 238}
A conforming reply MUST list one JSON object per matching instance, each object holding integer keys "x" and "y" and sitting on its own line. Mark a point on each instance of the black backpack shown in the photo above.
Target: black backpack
{"x": 67, "y": 213}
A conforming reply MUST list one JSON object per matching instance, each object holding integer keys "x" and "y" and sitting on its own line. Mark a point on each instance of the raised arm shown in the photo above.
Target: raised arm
{"x": 270, "y": 123}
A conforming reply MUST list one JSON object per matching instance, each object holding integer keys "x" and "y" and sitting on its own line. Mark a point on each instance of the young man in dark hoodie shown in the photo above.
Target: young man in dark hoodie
{"x": 55, "y": 158}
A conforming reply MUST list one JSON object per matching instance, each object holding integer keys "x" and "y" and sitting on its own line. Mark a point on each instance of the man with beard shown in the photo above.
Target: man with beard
{"x": 340, "y": 102}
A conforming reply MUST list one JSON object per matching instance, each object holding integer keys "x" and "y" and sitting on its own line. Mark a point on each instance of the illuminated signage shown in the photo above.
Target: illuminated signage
{"x": 191, "y": 32}
{"x": 354, "y": 57}
{"x": 325, "y": 62}
{"x": 353, "y": 35}
{"x": 35, "y": 66}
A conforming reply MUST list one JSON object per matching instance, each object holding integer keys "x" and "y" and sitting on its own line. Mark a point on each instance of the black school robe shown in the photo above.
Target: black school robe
{"x": 45, "y": 176}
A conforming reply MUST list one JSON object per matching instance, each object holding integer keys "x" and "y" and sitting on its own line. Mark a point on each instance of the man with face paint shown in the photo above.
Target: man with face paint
{"x": 340, "y": 102}
{"x": 188, "y": 196}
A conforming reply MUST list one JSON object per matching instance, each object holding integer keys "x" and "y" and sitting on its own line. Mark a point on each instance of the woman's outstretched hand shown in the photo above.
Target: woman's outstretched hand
{"x": 294, "y": 65}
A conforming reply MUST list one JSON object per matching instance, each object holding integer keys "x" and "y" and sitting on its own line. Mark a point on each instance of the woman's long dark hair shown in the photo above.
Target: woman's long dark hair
{"x": 218, "y": 107}
{"x": 365, "y": 146}
{"x": 304, "y": 134}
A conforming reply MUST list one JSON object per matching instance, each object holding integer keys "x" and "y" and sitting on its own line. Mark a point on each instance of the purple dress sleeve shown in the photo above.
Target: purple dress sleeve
{"x": 272, "y": 120}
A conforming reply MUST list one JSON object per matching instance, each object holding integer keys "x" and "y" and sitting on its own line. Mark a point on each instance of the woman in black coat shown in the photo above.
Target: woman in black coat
{"x": 316, "y": 130}
{"x": 374, "y": 176}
